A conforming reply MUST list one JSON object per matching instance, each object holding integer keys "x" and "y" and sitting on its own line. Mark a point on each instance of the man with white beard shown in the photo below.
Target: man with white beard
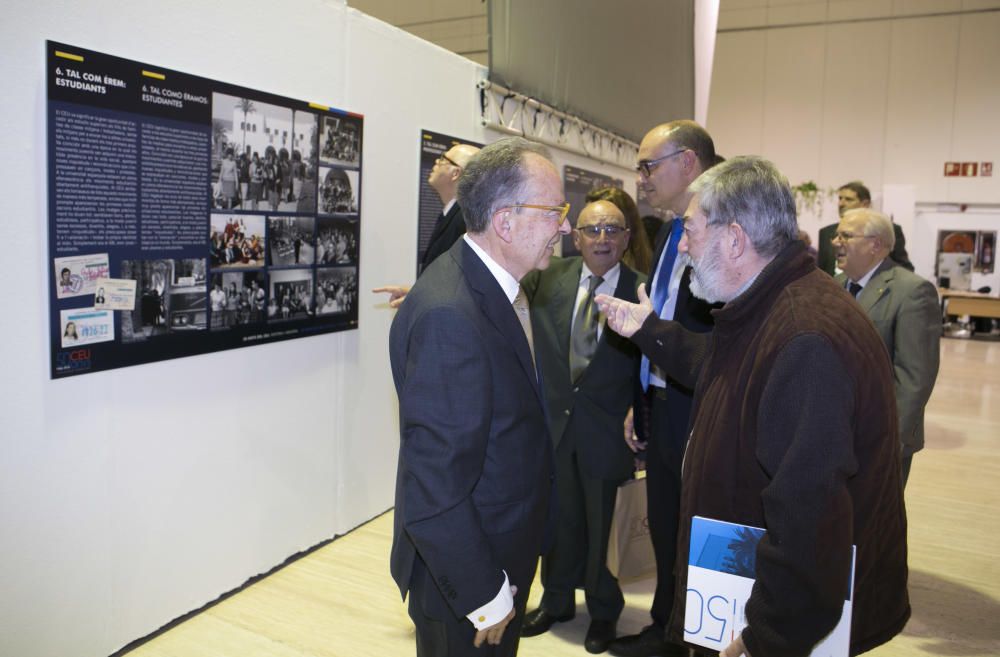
{"x": 794, "y": 426}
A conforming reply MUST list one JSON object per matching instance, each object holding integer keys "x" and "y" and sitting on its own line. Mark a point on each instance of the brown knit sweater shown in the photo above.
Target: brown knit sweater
{"x": 794, "y": 430}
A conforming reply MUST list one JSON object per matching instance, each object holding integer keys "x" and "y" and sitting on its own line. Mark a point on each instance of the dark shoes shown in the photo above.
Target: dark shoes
{"x": 539, "y": 621}
{"x": 599, "y": 635}
{"x": 648, "y": 643}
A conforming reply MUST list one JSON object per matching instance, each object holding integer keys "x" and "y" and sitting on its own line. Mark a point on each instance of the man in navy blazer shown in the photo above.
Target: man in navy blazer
{"x": 475, "y": 476}
{"x": 587, "y": 402}
{"x": 671, "y": 156}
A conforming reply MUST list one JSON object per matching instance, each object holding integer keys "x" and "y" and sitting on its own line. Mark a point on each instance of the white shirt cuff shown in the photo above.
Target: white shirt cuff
{"x": 496, "y": 609}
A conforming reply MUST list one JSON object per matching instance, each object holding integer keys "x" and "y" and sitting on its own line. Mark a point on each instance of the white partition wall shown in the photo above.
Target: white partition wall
{"x": 131, "y": 497}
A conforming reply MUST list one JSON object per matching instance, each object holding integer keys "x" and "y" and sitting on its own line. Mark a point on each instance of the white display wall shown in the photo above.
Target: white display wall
{"x": 131, "y": 497}
{"x": 874, "y": 95}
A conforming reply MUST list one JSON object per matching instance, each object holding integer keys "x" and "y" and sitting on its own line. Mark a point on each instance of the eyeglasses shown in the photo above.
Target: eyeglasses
{"x": 846, "y": 237}
{"x": 645, "y": 167}
{"x": 610, "y": 230}
{"x": 552, "y": 211}
{"x": 444, "y": 159}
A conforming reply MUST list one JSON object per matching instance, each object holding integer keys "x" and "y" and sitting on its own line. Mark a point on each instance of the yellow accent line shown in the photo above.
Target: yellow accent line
{"x": 67, "y": 55}
{"x": 155, "y": 76}
{"x": 319, "y": 107}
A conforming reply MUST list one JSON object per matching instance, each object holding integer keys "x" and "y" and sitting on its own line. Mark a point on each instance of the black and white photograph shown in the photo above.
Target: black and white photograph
{"x": 172, "y": 298}
{"x": 336, "y": 241}
{"x": 236, "y": 241}
{"x": 291, "y": 295}
{"x": 338, "y": 191}
{"x": 336, "y": 290}
{"x": 291, "y": 241}
{"x": 341, "y": 140}
{"x": 237, "y": 298}
{"x": 264, "y": 156}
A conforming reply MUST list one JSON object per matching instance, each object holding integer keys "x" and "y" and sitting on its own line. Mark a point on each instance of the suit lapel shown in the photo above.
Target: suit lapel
{"x": 497, "y": 308}
{"x": 565, "y": 295}
{"x": 878, "y": 286}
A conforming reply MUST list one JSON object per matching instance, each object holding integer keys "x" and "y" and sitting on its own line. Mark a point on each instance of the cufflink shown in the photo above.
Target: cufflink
{"x": 482, "y": 619}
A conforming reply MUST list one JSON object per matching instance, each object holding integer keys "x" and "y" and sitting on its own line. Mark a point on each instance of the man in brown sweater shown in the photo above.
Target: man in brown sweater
{"x": 793, "y": 429}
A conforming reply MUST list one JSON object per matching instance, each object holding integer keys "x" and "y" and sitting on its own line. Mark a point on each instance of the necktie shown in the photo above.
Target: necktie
{"x": 662, "y": 291}
{"x": 524, "y": 316}
{"x": 583, "y": 340}
{"x": 854, "y": 289}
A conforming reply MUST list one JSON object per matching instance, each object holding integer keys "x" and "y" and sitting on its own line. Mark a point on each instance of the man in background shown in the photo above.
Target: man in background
{"x": 905, "y": 310}
{"x": 475, "y": 475}
{"x": 590, "y": 386}
{"x": 450, "y": 225}
{"x": 671, "y": 156}
{"x": 851, "y": 196}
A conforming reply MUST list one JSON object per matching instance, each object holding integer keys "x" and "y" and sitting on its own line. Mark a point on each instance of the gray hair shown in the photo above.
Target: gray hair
{"x": 750, "y": 191}
{"x": 495, "y": 178}
{"x": 876, "y": 225}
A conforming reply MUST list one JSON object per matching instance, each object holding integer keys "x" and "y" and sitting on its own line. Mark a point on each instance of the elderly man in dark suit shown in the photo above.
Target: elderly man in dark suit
{"x": 904, "y": 308}
{"x": 475, "y": 475}
{"x": 450, "y": 226}
{"x": 590, "y": 377}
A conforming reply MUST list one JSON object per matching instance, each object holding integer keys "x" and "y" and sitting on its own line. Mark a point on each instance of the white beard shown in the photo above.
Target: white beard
{"x": 706, "y": 274}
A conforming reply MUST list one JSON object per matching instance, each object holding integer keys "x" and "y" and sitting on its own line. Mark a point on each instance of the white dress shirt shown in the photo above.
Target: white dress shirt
{"x": 608, "y": 286}
{"x": 656, "y": 375}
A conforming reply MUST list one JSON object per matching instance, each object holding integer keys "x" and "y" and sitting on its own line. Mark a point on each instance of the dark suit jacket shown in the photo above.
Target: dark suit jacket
{"x": 905, "y": 309}
{"x": 593, "y": 409}
{"x": 695, "y": 315}
{"x": 473, "y": 486}
{"x": 826, "y": 261}
{"x": 447, "y": 230}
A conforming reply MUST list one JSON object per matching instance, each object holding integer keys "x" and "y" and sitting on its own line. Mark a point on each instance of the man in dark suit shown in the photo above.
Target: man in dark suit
{"x": 849, "y": 197}
{"x": 905, "y": 310}
{"x": 671, "y": 156}
{"x": 450, "y": 225}
{"x": 589, "y": 385}
{"x": 475, "y": 476}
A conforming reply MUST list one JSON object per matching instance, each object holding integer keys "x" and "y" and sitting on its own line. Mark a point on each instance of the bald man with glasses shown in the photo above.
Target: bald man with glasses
{"x": 589, "y": 381}
{"x": 671, "y": 156}
{"x": 450, "y": 225}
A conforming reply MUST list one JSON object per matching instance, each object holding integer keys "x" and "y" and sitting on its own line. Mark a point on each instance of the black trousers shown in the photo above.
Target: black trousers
{"x": 443, "y": 635}
{"x": 669, "y": 411}
{"x": 579, "y": 552}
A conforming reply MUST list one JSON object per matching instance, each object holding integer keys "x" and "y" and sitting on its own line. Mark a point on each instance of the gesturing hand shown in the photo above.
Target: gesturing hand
{"x": 625, "y": 317}
{"x": 396, "y": 293}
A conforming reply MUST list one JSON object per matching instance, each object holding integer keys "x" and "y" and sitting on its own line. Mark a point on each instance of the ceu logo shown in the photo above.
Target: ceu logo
{"x": 640, "y": 527}
{"x": 78, "y": 359}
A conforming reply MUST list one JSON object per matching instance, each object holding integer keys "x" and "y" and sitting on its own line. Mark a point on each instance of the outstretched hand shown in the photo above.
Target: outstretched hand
{"x": 396, "y": 293}
{"x": 625, "y": 317}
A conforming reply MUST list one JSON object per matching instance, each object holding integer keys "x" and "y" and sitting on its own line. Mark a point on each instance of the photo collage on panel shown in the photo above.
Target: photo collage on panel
{"x": 188, "y": 215}
{"x": 273, "y": 169}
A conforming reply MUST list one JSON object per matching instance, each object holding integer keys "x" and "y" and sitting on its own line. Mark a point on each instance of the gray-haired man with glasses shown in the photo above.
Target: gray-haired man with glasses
{"x": 475, "y": 475}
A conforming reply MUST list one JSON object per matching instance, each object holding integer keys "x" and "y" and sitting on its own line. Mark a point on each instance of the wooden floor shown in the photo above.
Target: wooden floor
{"x": 340, "y": 601}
